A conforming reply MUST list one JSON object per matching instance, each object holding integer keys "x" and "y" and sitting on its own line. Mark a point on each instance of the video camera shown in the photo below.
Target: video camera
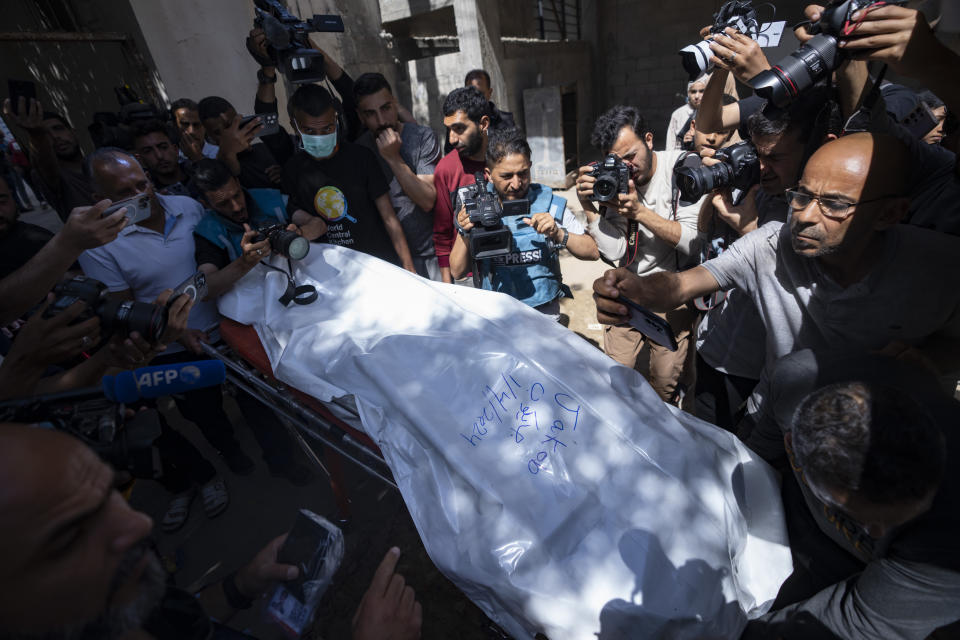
{"x": 815, "y": 59}
{"x": 288, "y": 244}
{"x": 288, "y": 41}
{"x": 489, "y": 237}
{"x": 739, "y": 168}
{"x": 612, "y": 178}
{"x": 116, "y": 316}
{"x": 735, "y": 14}
{"x": 115, "y": 129}
{"x": 125, "y": 444}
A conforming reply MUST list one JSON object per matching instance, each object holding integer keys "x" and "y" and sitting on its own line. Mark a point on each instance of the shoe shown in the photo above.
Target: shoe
{"x": 299, "y": 475}
{"x": 240, "y": 463}
{"x": 177, "y": 511}
{"x": 215, "y": 497}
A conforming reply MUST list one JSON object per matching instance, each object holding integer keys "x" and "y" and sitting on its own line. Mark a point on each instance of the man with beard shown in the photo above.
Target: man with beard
{"x": 340, "y": 182}
{"x": 160, "y": 156}
{"x": 466, "y": 115}
{"x": 648, "y": 229}
{"x": 55, "y": 152}
{"x": 841, "y": 276}
{"x": 193, "y": 136}
{"x": 408, "y": 154}
{"x": 19, "y": 241}
{"x": 76, "y": 562}
{"x": 531, "y": 271}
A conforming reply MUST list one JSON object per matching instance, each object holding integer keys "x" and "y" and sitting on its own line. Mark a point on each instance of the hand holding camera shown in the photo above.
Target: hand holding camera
{"x": 741, "y": 217}
{"x": 738, "y": 54}
{"x": 628, "y": 204}
{"x": 895, "y": 35}
{"x": 253, "y": 250}
{"x": 463, "y": 220}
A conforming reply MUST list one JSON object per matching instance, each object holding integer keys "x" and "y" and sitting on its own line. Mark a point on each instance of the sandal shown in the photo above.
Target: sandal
{"x": 215, "y": 497}
{"x": 177, "y": 511}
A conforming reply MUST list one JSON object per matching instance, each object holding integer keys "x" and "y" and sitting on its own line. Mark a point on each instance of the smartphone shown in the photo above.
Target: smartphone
{"x": 650, "y": 324}
{"x": 920, "y": 121}
{"x": 195, "y": 286}
{"x": 17, "y": 89}
{"x": 306, "y": 548}
{"x": 269, "y": 123}
{"x": 138, "y": 208}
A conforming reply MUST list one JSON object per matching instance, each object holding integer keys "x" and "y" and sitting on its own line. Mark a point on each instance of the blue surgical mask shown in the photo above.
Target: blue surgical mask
{"x": 319, "y": 147}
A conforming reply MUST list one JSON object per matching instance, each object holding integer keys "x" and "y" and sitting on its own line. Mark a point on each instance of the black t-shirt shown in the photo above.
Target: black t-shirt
{"x": 22, "y": 243}
{"x": 253, "y": 167}
{"x": 342, "y": 190}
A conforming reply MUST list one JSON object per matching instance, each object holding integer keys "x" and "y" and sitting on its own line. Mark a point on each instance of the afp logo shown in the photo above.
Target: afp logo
{"x": 189, "y": 375}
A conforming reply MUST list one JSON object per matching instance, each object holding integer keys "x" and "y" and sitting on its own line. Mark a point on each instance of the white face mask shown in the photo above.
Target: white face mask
{"x": 319, "y": 147}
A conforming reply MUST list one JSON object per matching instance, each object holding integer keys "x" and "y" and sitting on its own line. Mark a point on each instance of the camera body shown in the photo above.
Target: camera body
{"x": 288, "y": 244}
{"x": 612, "y": 178}
{"x": 735, "y": 14}
{"x": 116, "y": 316}
{"x": 489, "y": 237}
{"x": 739, "y": 168}
{"x": 289, "y": 43}
{"x": 816, "y": 59}
{"x": 124, "y": 443}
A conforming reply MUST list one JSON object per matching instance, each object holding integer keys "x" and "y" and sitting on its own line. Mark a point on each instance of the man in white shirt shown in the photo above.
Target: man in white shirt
{"x": 647, "y": 230}
{"x": 679, "y": 131}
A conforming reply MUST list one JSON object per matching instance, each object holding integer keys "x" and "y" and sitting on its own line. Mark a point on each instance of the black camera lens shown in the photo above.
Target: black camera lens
{"x": 290, "y": 244}
{"x": 126, "y": 316}
{"x": 785, "y": 81}
{"x": 605, "y": 188}
{"x": 694, "y": 183}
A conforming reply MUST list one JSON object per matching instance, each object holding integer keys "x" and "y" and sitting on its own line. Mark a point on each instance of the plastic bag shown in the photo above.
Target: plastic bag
{"x": 548, "y": 482}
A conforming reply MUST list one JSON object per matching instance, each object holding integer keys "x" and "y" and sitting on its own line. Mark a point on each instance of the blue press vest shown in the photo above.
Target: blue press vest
{"x": 531, "y": 272}
{"x": 271, "y": 208}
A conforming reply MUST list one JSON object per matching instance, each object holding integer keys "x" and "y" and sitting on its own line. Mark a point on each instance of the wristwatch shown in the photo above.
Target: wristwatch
{"x": 263, "y": 78}
{"x": 566, "y": 236}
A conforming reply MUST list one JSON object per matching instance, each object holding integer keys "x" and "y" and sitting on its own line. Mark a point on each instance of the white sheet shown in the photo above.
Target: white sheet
{"x": 548, "y": 482}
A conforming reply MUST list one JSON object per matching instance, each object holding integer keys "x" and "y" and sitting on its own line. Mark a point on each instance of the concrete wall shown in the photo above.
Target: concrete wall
{"x": 75, "y": 78}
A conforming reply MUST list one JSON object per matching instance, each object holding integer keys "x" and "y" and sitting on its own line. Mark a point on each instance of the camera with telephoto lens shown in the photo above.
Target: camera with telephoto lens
{"x": 116, "y": 316}
{"x": 612, "y": 178}
{"x": 817, "y": 58}
{"x": 489, "y": 237}
{"x": 288, "y": 244}
{"x": 289, "y": 47}
{"x": 110, "y": 129}
{"x": 735, "y": 14}
{"x": 125, "y": 443}
{"x": 739, "y": 168}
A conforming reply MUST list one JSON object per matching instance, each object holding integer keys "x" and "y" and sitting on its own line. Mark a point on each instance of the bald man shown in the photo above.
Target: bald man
{"x": 76, "y": 563}
{"x": 841, "y": 275}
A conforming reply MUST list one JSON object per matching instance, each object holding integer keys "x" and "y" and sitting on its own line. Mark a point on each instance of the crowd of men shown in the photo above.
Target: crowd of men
{"x": 814, "y": 315}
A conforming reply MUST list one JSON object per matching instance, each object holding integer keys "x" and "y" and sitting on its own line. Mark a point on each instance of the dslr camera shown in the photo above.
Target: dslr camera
{"x": 288, "y": 244}
{"x": 736, "y": 14}
{"x": 288, "y": 40}
{"x": 612, "y": 178}
{"x": 739, "y": 168}
{"x": 116, "y": 316}
{"x": 115, "y": 129}
{"x": 124, "y": 443}
{"x": 815, "y": 59}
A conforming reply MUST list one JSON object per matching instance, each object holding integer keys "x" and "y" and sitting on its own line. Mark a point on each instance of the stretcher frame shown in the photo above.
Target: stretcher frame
{"x": 248, "y": 368}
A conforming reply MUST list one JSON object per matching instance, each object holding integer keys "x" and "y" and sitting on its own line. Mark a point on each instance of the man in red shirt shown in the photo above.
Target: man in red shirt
{"x": 466, "y": 115}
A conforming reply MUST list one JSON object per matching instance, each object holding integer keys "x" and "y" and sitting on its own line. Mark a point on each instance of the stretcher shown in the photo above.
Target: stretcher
{"x": 248, "y": 368}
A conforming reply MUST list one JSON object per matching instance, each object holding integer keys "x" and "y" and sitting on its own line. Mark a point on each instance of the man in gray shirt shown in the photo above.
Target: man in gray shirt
{"x": 842, "y": 275}
{"x": 408, "y": 155}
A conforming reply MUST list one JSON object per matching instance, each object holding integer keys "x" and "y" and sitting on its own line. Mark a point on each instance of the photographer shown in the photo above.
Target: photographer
{"x": 55, "y": 153}
{"x": 193, "y": 136}
{"x": 869, "y": 500}
{"x": 226, "y": 248}
{"x": 531, "y": 271}
{"x": 252, "y": 162}
{"x": 647, "y": 230}
{"x": 340, "y": 182}
{"x": 159, "y": 154}
{"x": 77, "y": 562}
{"x": 408, "y": 154}
{"x": 822, "y": 280}
{"x": 466, "y": 115}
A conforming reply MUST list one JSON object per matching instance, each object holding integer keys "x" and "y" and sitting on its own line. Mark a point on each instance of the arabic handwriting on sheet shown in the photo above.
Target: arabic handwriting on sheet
{"x": 511, "y": 403}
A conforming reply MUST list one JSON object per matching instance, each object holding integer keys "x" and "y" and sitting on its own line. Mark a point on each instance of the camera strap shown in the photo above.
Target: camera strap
{"x": 302, "y": 295}
{"x": 860, "y": 119}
